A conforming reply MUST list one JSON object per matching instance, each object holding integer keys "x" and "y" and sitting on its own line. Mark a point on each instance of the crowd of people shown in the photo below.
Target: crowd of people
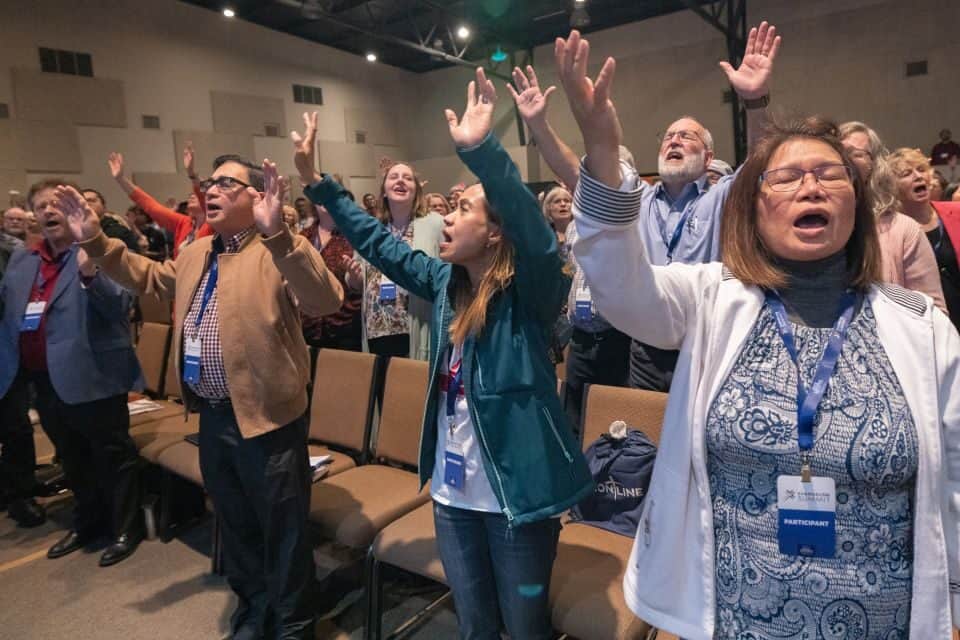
{"x": 801, "y": 310}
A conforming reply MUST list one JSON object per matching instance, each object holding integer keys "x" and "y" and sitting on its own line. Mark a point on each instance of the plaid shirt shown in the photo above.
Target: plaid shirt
{"x": 213, "y": 375}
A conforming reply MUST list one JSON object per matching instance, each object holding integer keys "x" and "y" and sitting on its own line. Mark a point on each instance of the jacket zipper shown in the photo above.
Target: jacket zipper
{"x": 556, "y": 434}
{"x": 433, "y": 369}
{"x": 483, "y": 442}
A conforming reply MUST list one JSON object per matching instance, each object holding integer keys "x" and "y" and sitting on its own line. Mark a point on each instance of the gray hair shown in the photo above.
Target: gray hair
{"x": 881, "y": 188}
{"x": 707, "y": 136}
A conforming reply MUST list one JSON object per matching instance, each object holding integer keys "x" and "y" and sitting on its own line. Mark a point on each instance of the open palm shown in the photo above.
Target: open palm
{"x": 477, "y": 118}
{"x": 268, "y": 208}
{"x": 531, "y": 101}
{"x": 750, "y": 80}
{"x": 81, "y": 220}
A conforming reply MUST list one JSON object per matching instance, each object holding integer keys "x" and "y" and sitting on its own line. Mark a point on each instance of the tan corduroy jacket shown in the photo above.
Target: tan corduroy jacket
{"x": 266, "y": 360}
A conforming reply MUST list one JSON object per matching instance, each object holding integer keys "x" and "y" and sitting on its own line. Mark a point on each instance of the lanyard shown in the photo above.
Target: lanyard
{"x": 677, "y": 232}
{"x": 211, "y": 284}
{"x": 453, "y": 390}
{"x": 40, "y": 282}
{"x": 808, "y": 400}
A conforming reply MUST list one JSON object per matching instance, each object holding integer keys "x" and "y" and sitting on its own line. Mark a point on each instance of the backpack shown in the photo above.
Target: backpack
{"x": 621, "y": 469}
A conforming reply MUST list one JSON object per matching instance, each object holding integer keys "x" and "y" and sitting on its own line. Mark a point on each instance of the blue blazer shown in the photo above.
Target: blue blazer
{"x": 89, "y": 352}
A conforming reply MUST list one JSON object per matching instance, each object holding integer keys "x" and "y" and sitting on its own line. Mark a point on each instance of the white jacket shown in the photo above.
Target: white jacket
{"x": 706, "y": 313}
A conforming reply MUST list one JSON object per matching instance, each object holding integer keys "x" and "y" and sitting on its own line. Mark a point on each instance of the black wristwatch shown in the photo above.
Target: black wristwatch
{"x": 757, "y": 103}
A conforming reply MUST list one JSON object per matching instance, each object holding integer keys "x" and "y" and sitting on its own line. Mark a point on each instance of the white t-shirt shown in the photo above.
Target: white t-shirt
{"x": 476, "y": 493}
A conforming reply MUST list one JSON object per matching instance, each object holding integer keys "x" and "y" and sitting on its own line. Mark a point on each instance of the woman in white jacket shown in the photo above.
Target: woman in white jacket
{"x": 808, "y": 479}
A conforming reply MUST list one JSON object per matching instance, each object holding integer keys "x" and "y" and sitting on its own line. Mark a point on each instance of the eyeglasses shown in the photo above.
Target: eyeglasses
{"x": 859, "y": 154}
{"x": 686, "y": 135}
{"x": 829, "y": 176}
{"x": 225, "y": 183}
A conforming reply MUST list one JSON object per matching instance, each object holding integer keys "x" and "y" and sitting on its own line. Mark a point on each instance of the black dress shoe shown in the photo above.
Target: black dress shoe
{"x": 67, "y": 544}
{"x": 122, "y": 548}
{"x": 27, "y": 513}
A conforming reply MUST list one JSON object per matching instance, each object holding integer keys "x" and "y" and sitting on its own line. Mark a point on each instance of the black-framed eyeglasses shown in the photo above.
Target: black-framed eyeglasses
{"x": 829, "y": 176}
{"x": 225, "y": 183}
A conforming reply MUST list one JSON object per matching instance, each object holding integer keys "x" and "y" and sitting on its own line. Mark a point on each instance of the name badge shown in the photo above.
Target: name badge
{"x": 807, "y": 516}
{"x": 32, "y": 316}
{"x": 388, "y": 289}
{"x": 191, "y": 360}
{"x": 583, "y": 309}
{"x": 454, "y": 466}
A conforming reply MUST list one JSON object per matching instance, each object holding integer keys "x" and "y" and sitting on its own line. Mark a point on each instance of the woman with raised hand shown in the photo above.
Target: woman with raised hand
{"x": 808, "y": 478}
{"x": 496, "y": 442}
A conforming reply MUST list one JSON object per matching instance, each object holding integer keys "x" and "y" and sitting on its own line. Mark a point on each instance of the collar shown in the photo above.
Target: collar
{"x": 43, "y": 249}
{"x": 234, "y": 242}
{"x": 699, "y": 185}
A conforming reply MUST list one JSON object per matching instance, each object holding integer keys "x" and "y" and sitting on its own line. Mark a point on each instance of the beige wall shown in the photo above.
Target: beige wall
{"x": 174, "y": 60}
{"x": 841, "y": 58}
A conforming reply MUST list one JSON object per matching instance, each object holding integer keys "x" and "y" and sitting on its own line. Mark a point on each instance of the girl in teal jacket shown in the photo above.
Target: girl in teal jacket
{"x": 495, "y": 440}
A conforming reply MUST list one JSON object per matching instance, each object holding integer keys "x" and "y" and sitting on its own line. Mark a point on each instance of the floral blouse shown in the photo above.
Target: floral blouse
{"x": 383, "y": 317}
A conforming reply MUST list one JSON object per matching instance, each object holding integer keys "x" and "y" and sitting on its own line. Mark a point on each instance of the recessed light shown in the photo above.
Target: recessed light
{"x": 463, "y": 32}
{"x": 229, "y": 13}
{"x": 371, "y": 57}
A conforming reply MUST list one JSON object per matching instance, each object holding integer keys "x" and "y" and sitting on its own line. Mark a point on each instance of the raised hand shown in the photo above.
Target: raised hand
{"x": 268, "y": 208}
{"x": 589, "y": 100}
{"x": 751, "y": 79}
{"x": 115, "y": 162}
{"x": 81, "y": 220}
{"x": 477, "y": 118}
{"x": 188, "y": 160}
{"x": 531, "y": 102}
{"x": 354, "y": 274}
{"x": 305, "y": 149}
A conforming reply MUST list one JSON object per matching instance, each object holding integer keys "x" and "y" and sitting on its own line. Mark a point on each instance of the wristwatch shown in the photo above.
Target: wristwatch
{"x": 757, "y": 103}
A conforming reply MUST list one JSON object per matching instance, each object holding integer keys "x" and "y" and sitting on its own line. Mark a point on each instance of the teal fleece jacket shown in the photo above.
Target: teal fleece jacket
{"x": 530, "y": 456}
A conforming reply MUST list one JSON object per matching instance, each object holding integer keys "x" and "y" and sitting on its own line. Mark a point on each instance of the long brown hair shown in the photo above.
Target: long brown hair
{"x": 742, "y": 249}
{"x": 419, "y": 208}
{"x": 469, "y": 308}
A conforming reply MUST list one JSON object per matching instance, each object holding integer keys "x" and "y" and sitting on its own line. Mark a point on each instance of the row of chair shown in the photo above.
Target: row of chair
{"x": 370, "y": 499}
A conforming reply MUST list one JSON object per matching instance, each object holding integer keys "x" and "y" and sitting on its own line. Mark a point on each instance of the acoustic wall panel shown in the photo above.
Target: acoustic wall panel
{"x": 208, "y": 145}
{"x": 245, "y": 114}
{"x": 379, "y": 127}
{"x": 346, "y": 159}
{"x": 74, "y": 99}
{"x": 50, "y": 147}
{"x": 162, "y": 185}
{"x": 8, "y": 146}
{"x": 11, "y": 180}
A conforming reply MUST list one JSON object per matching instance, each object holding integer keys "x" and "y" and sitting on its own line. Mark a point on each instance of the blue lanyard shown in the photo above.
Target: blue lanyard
{"x": 809, "y": 400}
{"x": 211, "y": 283}
{"x": 675, "y": 240}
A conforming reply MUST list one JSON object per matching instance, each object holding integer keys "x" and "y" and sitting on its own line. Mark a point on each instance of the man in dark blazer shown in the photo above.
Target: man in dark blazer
{"x": 64, "y": 330}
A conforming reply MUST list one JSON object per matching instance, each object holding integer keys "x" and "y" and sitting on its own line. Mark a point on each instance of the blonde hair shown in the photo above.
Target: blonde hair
{"x": 907, "y": 158}
{"x": 470, "y": 309}
{"x": 443, "y": 198}
{"x": 383, "y": 205}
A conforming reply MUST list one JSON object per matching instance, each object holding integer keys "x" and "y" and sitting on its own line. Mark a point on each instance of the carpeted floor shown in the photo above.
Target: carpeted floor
{"x": 162, "y": 592}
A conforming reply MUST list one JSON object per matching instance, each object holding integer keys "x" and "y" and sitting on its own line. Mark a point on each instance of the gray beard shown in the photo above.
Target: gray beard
{"x": 693, "y": 167}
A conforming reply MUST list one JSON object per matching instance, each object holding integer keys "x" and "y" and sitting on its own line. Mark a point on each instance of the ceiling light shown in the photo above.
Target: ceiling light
{"x": 579, "y": 19}
{"x": 579, "y": 1}
{"x": 371, "y": 57}
{"x": 463, "y": 32}
{"x": 229, "y": 13}
{"x": 499, "y": 55}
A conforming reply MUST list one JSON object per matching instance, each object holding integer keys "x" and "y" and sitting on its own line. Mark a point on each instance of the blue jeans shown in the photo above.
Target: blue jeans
{"x": 496, "y": 573}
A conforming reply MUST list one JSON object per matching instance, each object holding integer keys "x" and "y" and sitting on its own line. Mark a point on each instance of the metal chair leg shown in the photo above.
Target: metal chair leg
{"x": 372, "y": 630}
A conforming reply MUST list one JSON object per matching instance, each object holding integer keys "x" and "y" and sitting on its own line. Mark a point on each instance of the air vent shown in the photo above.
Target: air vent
{"x": 307, "y": 95}
{"x": 71, "y": 63}
{"x": 918, "y": 68}
{"x": 4, "y": 111}
{"x": 151, "y": 122}
{"x": 360, "y": 137}
{"x": 271, "y": 130}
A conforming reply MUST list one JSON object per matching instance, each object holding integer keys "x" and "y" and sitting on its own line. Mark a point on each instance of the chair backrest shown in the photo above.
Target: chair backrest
{"x": 153, "y": 309}
{"x": 640, "y": 409}
{"x": 171, "y": 385}
{"x": 152, "y": 348}
{"x": 401, "y": 414}
{"x": 342, "y": 405}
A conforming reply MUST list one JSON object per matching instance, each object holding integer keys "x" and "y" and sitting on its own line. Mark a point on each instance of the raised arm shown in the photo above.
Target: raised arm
{"x": 751, "y": 80}
{"x": 532, "y": 105}
{"x": 130, "y": 270}
{"x": 315, "y": 287}
{"x": 538, "y": 266}
{"x": 415, "y": 271}
{"x": 188, "y": 164}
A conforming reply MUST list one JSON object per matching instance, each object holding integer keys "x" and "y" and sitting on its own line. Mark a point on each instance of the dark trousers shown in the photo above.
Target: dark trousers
{"x": 100, "y": 462}
{"x": 397, "y": 345}
{"x": 496, "y": 573}
{"x": 595, "y": 358}
{"x": 260, "y": 488}
{"x": 18, "y": 455}
{"x": 651, "y": 368}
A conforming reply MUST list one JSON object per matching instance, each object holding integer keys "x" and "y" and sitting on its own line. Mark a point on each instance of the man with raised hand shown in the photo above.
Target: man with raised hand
{"x": 244, "y": 365}
{"x": 679, "y": 217}
{"x": 65, "y": 332}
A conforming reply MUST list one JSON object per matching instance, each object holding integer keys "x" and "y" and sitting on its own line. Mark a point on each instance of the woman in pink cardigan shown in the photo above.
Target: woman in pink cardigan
{"x": 908, "y": 259}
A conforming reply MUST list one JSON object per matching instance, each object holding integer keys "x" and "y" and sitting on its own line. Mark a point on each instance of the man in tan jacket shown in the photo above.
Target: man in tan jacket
{"x": 243, "y": 363}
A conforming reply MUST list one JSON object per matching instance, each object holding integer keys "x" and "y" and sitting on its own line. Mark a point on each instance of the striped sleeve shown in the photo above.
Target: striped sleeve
{"x": 614, "y": 207}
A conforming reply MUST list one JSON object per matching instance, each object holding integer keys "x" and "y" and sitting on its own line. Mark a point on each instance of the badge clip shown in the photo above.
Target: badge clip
{"x": 805, "y": 473}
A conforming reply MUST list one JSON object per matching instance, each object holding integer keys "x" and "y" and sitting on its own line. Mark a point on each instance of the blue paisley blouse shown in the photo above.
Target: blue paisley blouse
{"x": 865, "y": 440}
